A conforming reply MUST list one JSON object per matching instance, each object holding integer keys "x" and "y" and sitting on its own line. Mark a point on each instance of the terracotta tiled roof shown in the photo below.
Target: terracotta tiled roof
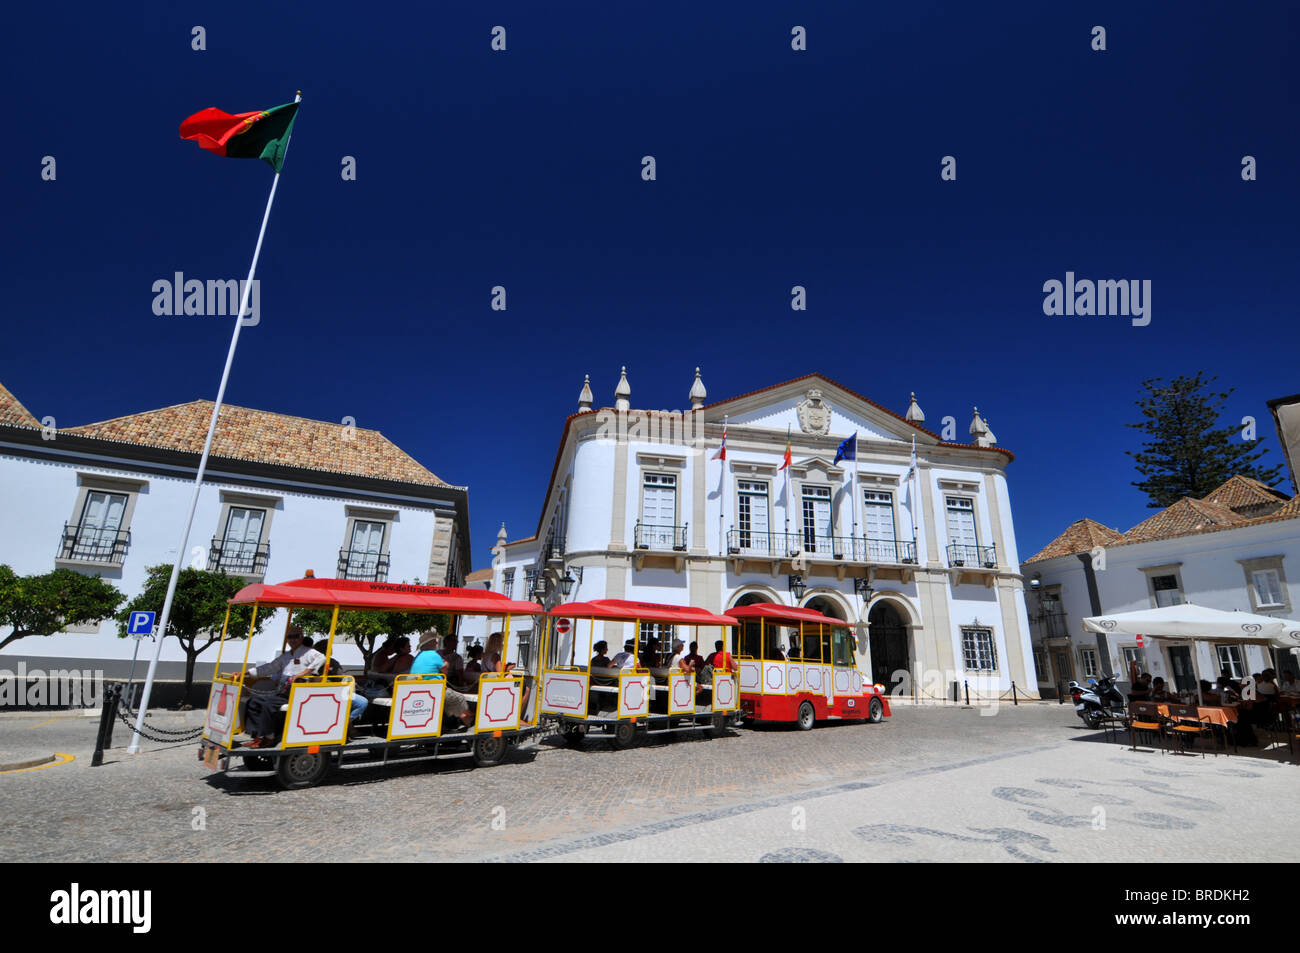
{"x": 262, "y": 437}
{"x": 479, "y": 575}
{"x": 1244, "y": 494}
{"x": 13, "y": 412}
{"x": 1185, "y": 516}
{"x": 1081, "y": 536}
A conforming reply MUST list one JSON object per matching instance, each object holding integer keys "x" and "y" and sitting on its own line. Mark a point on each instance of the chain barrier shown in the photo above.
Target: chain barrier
{"x": 154, "y": 733}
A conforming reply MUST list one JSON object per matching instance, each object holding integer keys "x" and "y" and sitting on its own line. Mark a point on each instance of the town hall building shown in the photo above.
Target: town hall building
{"x": 920, "y": 558}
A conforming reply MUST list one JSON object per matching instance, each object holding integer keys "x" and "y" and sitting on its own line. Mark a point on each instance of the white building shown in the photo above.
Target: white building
{"x": 639, "y": 507}
{"x": 1230, "y": 550}
{"x": 281, "y": 495}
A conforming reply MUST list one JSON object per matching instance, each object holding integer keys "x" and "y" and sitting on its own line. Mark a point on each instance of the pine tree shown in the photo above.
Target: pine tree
{"x": 1187, "y": 453}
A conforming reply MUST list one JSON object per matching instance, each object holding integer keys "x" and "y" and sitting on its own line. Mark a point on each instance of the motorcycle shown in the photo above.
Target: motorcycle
{"x": 1097, "y": 701}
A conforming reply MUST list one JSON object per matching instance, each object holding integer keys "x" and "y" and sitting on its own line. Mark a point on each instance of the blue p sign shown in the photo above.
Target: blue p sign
{"x": 140, "y": 623}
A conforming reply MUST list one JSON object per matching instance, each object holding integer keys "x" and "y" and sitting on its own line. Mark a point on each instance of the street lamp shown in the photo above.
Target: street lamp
{"x": 797, "y": 586}
{"x": 862, "y": 586}
{"x": 566, "y": 584}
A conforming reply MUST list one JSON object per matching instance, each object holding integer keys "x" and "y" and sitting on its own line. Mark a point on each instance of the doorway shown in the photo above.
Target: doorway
{"x": 890, "y": 645}
{"x": 1180, "y": 665}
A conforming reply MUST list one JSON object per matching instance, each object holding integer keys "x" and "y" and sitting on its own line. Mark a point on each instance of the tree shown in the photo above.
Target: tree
{"x": 198, "y": 610}
{"x": 365, "y": 628}
{"x": 1187, "y": 454}
{"x": 52, "y": 601}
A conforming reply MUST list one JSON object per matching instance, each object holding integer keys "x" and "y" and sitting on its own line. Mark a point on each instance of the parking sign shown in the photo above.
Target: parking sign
{"x": 140, "y": 623}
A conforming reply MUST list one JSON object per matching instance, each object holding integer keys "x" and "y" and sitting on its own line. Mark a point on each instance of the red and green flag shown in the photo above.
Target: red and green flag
{"x": 261, "y": 134}
{"x": 786, "y": 457}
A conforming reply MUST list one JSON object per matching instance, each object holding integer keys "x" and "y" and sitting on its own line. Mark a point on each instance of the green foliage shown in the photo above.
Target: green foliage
{"x": 198, "y": 610}
{"x": 47, "y": 603}
{"x": 1187, "y": 453}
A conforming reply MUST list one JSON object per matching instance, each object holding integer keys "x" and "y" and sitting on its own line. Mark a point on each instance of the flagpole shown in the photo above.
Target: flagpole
{"x": 134, "y": 747}
{"x": 722, "y": 497}
{"x": 855, "y": 499}
{"x": 916, "y": 505}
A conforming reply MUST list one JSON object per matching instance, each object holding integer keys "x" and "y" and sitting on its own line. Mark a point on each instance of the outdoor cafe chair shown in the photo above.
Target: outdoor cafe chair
{"x": 1146, "y": 717}
{"x": 1185, "y": 723}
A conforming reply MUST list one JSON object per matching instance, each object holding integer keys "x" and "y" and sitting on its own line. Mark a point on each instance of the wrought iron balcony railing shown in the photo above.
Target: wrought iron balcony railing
{"x": 238, "y": 556}
{"x": 659, "y": 537}
{"x": 985, "y": 557}
{"x": 369, "y": 567}
{"x": 853, "y": 548}
{"x": 94, "y": 544}
{"x": 1050, "y": 624}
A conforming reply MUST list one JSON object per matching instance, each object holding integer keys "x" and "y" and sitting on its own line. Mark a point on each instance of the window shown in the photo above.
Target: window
{"x": 961, "y": 521}
{"x": 1167, "y": 591}
{"x": 238, "y": 549}
{"x": 1230, "y": 660}
{"x": 978, "y": 651}
{"x": 1088, "y": 662}
{"x": 816, "y": 518}
{"x": 96, "y": 534}
{"x": 1132, "y": 654}
{"x": 752, "y": 515}
{"x": 364, "y": 556}
{"x": 508, "y": 583}
{"x": 1040, "y": 663}
{"x": 1268, "y": 588}
{"x": 878, "y": 525}
{"x": 659, "y": 499}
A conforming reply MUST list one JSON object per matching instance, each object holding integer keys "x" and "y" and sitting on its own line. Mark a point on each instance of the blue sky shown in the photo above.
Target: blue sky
{"x": 774, "y": 168}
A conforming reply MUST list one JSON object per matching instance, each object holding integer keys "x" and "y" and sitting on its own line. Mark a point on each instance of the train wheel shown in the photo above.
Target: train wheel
{"x": 573, "y": 736}
{"x": 807, "y": 717}
{"x": 624, "y": 734}
{"x": 876, "y": 711}
{"x": 489, "y": 750}
{"x": 301, "y": 770}
{"x": 719, "y": 725}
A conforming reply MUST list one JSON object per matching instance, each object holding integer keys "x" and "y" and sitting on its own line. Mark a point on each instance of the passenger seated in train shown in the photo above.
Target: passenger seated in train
{"x": 597, "y": 700}
{"x": 626, "y": 658}
{"x": 429, "y": 662}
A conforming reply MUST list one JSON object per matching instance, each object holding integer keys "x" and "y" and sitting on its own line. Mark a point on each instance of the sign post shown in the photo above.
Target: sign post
{"x": 139, "y": 627}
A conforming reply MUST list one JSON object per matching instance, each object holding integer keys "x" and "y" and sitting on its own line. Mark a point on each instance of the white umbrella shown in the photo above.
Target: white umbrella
{"x": 1199, "y": 623}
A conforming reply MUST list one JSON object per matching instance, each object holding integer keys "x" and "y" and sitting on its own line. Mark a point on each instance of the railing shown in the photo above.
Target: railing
{"x": 853, "y": 548}
{"x": 659, "y": 537}
{"x": 982, "y": 556}
{"x": 1050, "y": 625}
{"x": 238, "y": 556}
{"x": 94, "y": 544}
{"x": 368, "y": 567}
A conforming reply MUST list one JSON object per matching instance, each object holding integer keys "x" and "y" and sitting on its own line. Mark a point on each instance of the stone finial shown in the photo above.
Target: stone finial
{"x": 979, "y": 430}
{"x": 501, "y": 535}
{"x": 698, "y": 394}
{"x": 623, "y": 391}
{"x": 584, "y": 396}
{"x": 914, "y": 413}
{"x": 988, "y": 435}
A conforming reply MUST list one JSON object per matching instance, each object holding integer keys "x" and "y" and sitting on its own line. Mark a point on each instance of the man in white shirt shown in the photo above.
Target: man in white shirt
{"x": 262, "y": 716}
{"x": 626, "y": 658}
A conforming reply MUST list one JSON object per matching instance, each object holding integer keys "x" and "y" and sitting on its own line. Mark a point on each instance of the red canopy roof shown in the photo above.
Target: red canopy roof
{"x": 621, "y": 610}
{"x": 776, "y": 612}
{"x": 384, "y": 596}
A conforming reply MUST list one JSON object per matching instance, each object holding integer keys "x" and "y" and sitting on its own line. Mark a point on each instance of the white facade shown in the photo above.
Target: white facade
{"x": 288, "y": 520}
{"x": 639, "y": 509}
{"x": 1215, "y": 569}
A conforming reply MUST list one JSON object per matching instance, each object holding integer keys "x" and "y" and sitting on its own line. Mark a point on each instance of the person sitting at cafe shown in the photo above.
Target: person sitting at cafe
{"x": 1209, "y": 694}
{"x": 1289, "y": 684}
{"x": 1229, "y": 691}
{"x": 1141, "y": 689}
{"x": 1160, "y": 691}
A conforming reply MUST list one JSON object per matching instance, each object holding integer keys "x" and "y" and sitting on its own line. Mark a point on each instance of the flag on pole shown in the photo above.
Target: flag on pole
{"x": 787, "y": 451}
{"x": 261, "y": 134}
{"x": 722, "y": 450}
{"x": 848, "y": 450}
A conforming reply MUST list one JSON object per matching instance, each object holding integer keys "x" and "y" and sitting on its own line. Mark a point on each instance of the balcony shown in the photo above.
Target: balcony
{"x": 368, "y": 567}
{"x": 894, "y": 552}
{"x": 85, "y": 543}
{"x": 982, "y": 557}
{"x": 660, "y": 538}
{"x": 1049, "y": 624}
{"x": 238, "y": 557}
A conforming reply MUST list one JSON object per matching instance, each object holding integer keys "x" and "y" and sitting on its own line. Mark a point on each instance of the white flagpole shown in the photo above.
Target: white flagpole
{"x": 134, "y": 747}
{"x": 722, "y": 497}
{"x": 856, "y": 493}
{"x": 916, "y": 503}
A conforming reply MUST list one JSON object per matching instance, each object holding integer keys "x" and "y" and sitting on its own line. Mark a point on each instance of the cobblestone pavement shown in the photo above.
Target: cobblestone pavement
{"x": 1026, "y": 784}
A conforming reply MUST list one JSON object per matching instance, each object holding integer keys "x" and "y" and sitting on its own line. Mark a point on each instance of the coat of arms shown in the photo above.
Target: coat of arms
{"x": 814, "y": 414}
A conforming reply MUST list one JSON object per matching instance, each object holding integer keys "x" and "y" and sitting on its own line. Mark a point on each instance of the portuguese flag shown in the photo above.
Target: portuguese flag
{"x": 262, "y": 134}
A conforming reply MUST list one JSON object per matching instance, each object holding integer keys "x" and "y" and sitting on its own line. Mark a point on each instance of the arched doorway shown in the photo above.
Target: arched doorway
{"x": 890, "y": 648}
{"x": 752, "y": 598}
{"x": 826, "y": 606}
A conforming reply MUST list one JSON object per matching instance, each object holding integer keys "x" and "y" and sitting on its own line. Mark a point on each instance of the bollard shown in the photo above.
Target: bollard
{"x": 956, "y": 691}
{"x": 967, "y": 684}
{"x": 112, "y": 698}
{"x": 1014, "y": 701}
{"x": 1060, "y": 694}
